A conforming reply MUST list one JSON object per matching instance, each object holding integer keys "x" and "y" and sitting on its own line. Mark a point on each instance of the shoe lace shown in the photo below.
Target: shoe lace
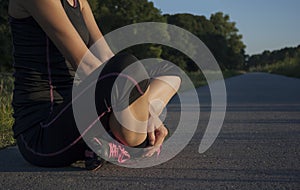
{"x": 119, "y": 152}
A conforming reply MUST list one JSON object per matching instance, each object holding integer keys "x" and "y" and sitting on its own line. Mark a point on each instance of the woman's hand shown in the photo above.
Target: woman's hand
{"x": 157, "y": 137}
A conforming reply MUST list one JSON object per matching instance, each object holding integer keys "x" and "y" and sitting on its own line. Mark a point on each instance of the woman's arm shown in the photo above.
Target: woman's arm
{"x": 52, "y": 18}
{"x": 100, "y": 47}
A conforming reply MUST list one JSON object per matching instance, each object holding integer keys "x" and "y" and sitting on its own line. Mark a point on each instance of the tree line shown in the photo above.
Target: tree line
{"x": 285, "y": 61}
{"x": 218, "y": 32}
{"x": 288, "y": 54}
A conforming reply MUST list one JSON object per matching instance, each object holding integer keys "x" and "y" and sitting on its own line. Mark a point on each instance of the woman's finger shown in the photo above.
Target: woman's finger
{"x": 151, "y": 131}
{"x": 160, "y": 134}
{"x": 151, "y": 138}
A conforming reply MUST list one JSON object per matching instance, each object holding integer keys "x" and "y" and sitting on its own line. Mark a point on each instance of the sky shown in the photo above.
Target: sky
{"x": 264, "y": 24}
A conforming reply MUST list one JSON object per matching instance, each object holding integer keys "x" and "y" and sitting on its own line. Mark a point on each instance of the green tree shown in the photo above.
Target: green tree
{"x": 218, "y": 33}
{"x": 234, "y": 54}
{"x": 114, "y": 14}
{"x": 191, "y": 23}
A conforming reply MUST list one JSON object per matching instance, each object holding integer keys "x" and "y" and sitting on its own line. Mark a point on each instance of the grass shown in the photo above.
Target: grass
{"x": 6, "y": 88}
{"x": 6, "y": 120}
{"x": 287, "y": 68}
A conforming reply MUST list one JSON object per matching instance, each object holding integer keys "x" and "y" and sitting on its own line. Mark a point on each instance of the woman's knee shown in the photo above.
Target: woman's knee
{"x": 120, "y": 62}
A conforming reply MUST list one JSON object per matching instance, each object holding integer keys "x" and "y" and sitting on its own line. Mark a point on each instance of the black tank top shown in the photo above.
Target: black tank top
{"x": 43, "y": 78}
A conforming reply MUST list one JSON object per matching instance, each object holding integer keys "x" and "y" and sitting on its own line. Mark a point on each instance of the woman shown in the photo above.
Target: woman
{"x": 45, "y": 60}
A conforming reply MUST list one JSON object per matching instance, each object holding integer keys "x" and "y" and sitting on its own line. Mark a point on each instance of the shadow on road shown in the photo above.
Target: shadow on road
{"x": 12, "y": 161}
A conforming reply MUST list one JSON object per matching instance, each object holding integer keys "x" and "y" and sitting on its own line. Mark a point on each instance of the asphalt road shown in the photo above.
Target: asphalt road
{"x": 257, "y": 148}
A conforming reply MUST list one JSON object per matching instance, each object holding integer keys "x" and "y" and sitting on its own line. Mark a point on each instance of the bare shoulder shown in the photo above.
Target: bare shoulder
{"x": 15, "y": 9}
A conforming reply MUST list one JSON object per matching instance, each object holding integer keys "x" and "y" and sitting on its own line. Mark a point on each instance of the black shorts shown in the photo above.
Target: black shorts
{"x": 57, "y": 141}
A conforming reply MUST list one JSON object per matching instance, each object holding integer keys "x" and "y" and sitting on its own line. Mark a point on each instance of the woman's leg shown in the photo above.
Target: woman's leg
{"x": 130, "y": 119}
{"x": 162, "y": 89}
{"x": 132, "y": 124}
{"x": 129, "y": 126}
{"x": 128, "y": 84}
{"x": 54, "y": 143}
